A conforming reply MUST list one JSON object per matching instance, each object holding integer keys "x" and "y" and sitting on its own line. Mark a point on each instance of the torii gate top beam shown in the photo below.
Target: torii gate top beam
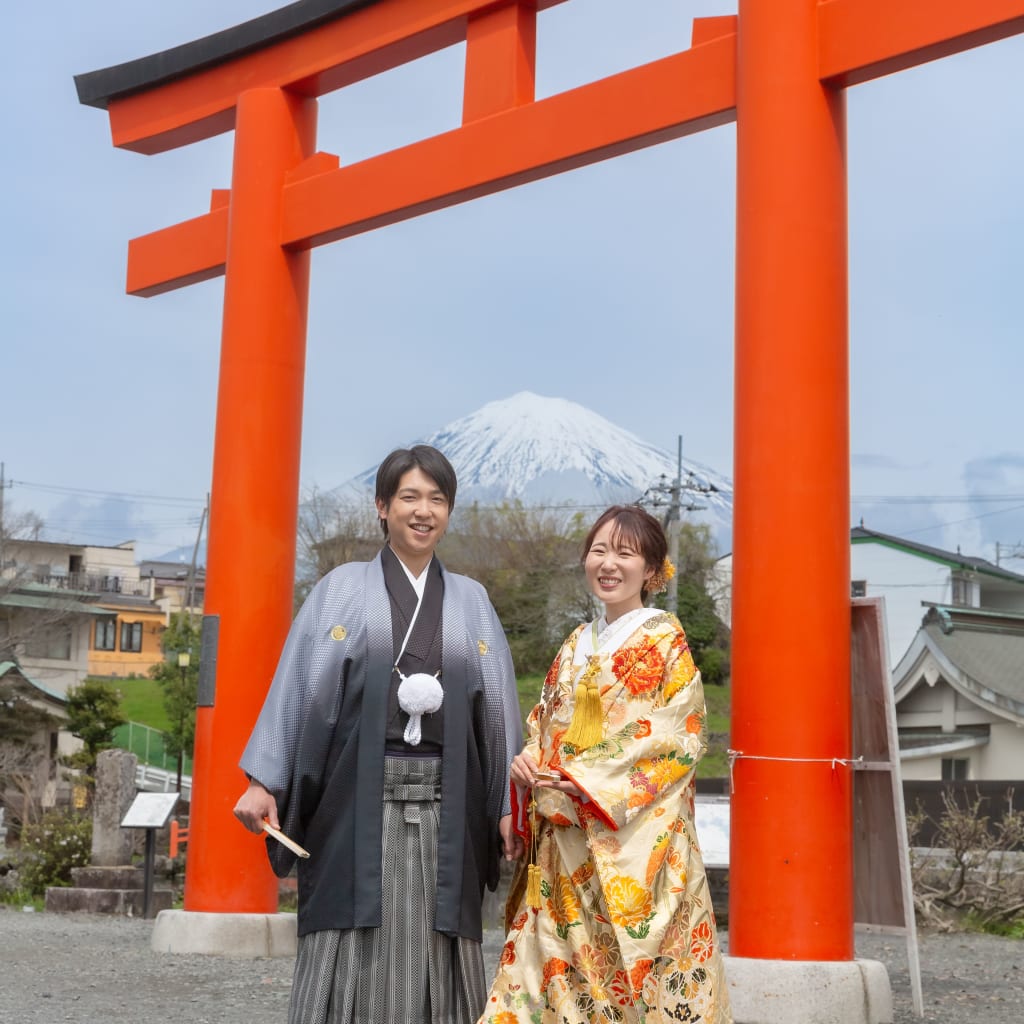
{"x": 189, "y": 92}
{"x": 180, "y": 96}
{"x": 313, "y": 47}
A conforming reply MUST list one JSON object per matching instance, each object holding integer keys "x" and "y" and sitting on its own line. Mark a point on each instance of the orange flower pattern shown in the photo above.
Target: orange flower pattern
{"x": 553, "y": 969}
{"x": 701, "y": 942}
{"x": 640, "y": 671}
{"x": 626, "y": 933}
{"x": 639, "y": 973}
{"x": 583, "y": 874}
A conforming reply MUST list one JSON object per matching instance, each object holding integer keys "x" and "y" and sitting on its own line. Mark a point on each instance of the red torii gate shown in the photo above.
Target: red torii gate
{"x": 779, "y": 69}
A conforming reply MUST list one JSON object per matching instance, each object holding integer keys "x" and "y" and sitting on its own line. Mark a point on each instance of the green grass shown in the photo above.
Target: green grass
{"x": 715, "y": 763}
{"x": 142, "y": 700}
{"x": 23, "y": 898}
{"x": 529, "y": 693}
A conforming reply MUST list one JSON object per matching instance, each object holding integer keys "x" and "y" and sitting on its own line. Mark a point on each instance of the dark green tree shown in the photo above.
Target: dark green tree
{"x": 178, "y": 675}
{"x": 528, "y": 560}
{"x": 706, "y": 634}
{"x": 94, "y": 713}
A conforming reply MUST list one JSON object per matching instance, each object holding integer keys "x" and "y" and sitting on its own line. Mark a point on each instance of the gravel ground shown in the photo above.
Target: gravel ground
{"x": 100, "y": 970}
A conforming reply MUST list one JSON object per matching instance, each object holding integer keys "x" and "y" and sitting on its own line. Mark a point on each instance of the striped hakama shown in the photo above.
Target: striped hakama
{"x": 403, "y": 972}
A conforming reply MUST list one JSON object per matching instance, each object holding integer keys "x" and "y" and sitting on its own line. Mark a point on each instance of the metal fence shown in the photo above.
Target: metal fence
{"x": 147, "y": 744}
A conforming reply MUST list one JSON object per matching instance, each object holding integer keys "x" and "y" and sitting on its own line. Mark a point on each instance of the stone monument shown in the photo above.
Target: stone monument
{"x": 115, "y": 790}
{"x": 111, "y": 884}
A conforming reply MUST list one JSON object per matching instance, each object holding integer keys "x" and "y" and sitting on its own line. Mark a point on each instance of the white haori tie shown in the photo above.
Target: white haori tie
{"x": 421, "y": 693}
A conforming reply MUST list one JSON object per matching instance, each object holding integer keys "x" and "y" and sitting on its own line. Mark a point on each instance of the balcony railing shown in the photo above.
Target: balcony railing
{"x": 95, "y": 583}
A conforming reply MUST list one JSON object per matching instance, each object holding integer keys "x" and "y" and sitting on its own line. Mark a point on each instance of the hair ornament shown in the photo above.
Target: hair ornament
{"x": 659, "y": 581}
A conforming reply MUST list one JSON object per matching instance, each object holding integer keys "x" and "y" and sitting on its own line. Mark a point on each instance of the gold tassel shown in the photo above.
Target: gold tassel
{"x": 533, "y": 898}
{"x": 587, "y": 725}
{"x": 533, "y": 887}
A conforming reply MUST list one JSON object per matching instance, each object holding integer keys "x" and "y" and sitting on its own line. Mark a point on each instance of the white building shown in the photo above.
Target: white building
{"x": 912, "y": 576}
{"x": 72, "y": 610}
{"x": 959, "y": 693}
{"x": 955, "y": 627}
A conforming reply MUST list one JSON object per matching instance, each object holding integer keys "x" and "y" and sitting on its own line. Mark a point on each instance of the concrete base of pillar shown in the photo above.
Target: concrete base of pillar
{"x": 235, "y": 935}
{"x": 808, "y": 992}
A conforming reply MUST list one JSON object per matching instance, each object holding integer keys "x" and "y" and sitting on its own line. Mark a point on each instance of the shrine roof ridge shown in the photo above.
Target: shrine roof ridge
{"x": 98, "y": 88}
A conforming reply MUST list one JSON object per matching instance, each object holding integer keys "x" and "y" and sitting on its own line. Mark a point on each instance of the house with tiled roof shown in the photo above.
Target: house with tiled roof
{"x": 32, "y": 770}
{"x": 959, "y": 692}
{"x": 955, "y": 629}
{"x": 911, "y": 576}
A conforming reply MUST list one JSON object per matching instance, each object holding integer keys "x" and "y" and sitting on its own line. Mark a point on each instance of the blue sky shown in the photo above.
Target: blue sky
{"x": 611, "y": 286}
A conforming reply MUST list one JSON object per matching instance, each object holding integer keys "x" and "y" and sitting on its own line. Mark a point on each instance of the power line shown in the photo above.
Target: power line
{"x": 932, "y": 499}
{"x": 957, "y": 522}
{"x": 155, "y": 499}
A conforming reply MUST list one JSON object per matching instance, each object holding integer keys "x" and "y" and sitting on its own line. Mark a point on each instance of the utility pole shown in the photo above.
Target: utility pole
{"x": 191, "y": 583}
{"x": 3, "y": 522}
{"x": 672, "y": 519}
{"x": 1007, "y": 551}
{"x": 672, "y": 523}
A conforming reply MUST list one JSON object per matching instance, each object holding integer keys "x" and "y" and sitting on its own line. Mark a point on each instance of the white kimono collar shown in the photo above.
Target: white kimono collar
{"x": 601, "y": 636}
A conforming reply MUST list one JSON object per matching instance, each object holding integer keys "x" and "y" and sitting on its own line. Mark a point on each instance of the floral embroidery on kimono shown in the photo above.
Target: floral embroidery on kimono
{"x": 626, "y": 932}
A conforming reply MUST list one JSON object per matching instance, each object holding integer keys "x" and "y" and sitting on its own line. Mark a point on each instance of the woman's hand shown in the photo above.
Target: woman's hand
{"x": 524, "y": 773}
{"x": 522, "y": 769}
{"x": 563, "y": 786}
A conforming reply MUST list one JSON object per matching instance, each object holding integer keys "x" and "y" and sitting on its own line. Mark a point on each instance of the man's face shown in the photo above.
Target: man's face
{"x": 417, "y": 517}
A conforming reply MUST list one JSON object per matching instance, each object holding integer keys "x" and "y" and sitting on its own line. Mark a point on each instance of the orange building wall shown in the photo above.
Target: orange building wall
{"x": 122, "y": 664}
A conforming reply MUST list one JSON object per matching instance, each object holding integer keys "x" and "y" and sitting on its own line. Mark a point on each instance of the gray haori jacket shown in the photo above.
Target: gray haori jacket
{"x": 319, "y": 744}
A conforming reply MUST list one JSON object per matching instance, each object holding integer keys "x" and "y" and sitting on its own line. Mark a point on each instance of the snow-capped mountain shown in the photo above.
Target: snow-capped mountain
{"x": 553, "y": 452}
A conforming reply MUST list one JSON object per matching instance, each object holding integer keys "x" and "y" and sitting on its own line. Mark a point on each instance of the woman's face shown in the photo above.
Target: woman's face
{"x": 616, "y": 571}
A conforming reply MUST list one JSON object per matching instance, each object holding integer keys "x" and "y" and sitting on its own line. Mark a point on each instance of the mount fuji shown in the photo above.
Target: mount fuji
{"x": 553, "y": 452}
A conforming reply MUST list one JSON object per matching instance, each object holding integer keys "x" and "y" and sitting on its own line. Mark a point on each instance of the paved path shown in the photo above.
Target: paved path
{"x": 90, "y": 969}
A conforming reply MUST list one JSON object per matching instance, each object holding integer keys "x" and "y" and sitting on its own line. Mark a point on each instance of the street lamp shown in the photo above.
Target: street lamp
{"x": 184, "y": 657}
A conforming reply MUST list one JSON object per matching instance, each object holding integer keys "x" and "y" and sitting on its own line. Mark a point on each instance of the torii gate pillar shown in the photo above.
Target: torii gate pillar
{"x": 253, "y": 513}
{"x": 791, "y": 638}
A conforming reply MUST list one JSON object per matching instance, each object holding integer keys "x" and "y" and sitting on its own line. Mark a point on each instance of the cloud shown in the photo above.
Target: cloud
{"x": 995, "y": 484}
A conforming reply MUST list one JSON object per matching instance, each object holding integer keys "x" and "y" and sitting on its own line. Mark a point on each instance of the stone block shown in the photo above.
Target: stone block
{"x": 123, "y": 877}
{"x": 122, "y": 902}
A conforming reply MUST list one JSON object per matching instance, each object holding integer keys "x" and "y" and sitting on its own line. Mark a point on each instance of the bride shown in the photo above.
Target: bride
{"x": 610, "y": 918}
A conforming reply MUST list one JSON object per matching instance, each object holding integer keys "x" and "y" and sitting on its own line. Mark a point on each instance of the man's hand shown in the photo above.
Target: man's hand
{"x": 513, "y": 841}
{"x": 255, "y": 805}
